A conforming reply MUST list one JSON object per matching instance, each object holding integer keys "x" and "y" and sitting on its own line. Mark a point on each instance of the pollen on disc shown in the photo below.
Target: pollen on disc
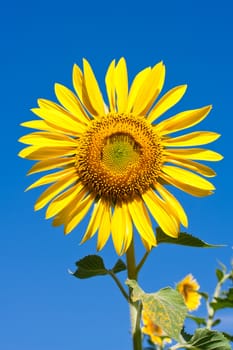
{"x": 119, "y": 156}
{"x": 120, "y": 152}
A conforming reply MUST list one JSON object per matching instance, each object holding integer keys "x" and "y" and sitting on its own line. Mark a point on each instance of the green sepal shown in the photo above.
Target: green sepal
{"x": 183, "y": 239}
{"x": 204, "y": 339}
{"x": 93, "y": 265}
{"x": 165, "y": 308}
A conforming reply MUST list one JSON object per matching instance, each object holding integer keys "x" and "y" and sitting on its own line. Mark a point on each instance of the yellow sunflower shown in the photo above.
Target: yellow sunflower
{"x": 155, "y": 332}
{"x": 188, "y": 288}
{"x": 115, "y": 159}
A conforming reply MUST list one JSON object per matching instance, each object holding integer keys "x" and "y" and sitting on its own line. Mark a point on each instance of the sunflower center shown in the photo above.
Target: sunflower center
{"x": 120, "y": 152}
{"x": 119, "y": 156}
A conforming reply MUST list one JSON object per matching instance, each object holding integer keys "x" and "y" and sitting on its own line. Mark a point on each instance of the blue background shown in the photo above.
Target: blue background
{"x": 42, "y": 306}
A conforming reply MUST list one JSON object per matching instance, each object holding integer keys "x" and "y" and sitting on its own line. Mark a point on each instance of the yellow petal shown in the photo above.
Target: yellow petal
{"x": 110, "y": 86}
{"x": 42, "y": 153}
{"x": 63, "y": 200}
{"x": 146, "y": 244}
{"x": 141, "y": 220}
{"x": 46, "y": 126}
{"x": 71, "y": 103}
{"x": 63, "y": 216}
{"x": 60, "y": 120}
{"x": 121, "y": 85}
{"x": 105, "y": 226}
{"x": 136, "y": 86}
{"x": 94, "y": 222}
{"x": 78, "y": 81}
{"x": 47, "y": 179}
{"x": 188, "y": 288}
{"x": 193, "y": 139}
{"x": 189, "y": 188}
{"x": 118, "y": 226}
{"x": 188, "y": 178}
{"x": 163, "y": 218}
{"x": 53, "y": 190}
{"x": 172, "y": 97}
{"x": 52, "y": 106}
{"x": 38, "y": 124}
{"x": 173, "y": 203}
{"x": 47, "y": 104}
{"x": 51, "y": 164}
{"x": 106, "y": 109}
{"x": 182, "y": 120}
{"x": 43, "y": 139}
{"x": 194, "y": 166}
{"x": 150, "y": 89}
{"x": 93, "y": 89}
{"x": 128, "y": 228}
{"x": 194, "y": 153}
{"x": 81, "y": 90}
{"x": 78, "y": 214}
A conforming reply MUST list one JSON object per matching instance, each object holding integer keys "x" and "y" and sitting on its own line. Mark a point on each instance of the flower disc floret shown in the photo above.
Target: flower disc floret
{"x": 119, "y": 156}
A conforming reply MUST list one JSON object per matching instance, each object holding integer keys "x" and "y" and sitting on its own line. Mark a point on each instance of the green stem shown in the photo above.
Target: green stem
{"x": 217, "y": 292}
{"x": 142, "y": 262}
{"x": 183, "y": 346}
{"x": 135, "y": 307}
{"x": 118, "y": 283}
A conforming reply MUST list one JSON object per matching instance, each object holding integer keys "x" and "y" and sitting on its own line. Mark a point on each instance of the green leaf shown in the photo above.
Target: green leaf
{"x": 119, "y": 266}
{"x": 151, "y": 346}
{"x": 137, "y": 291}
{"x": 216, "y": 322}
{"x": 200, "y": 321}
{"x": 93, "y": 265}
{"x": 228, "y": 336}
{"x": 90, "y": 266}
{"x": 186, "y": 335}
{"x": 219, "y": 274}
{"x": 183, "y": 239}
{"x": 205, "y": 339}
{"x": 204, "y": 295}
{"x": 223, "y": 267}
{"x": 165, "y": 308}
{"x": 222, "y": 303}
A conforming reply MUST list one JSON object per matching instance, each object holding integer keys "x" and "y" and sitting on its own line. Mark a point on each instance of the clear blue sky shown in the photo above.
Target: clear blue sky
{"x": 42, "y": 306}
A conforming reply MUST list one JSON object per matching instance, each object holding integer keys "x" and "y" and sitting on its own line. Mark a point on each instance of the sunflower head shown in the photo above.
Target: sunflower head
{"x": 188, "y": 288}
{"x": 113, "y": 161}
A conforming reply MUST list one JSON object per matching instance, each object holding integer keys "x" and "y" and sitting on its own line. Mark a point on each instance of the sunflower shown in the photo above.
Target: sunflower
{"x": 188, "y": 288}
{"x": 114, "y": 160}
{"x": 156, "y": 334}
